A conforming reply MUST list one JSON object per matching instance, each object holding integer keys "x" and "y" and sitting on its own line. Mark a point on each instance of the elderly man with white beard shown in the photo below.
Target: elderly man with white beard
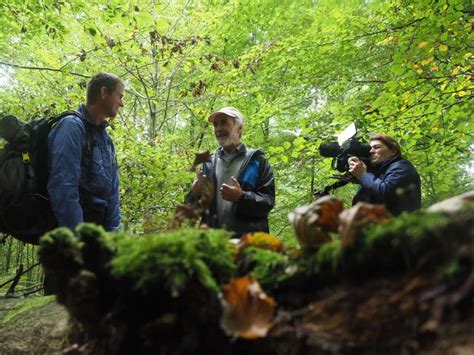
{"x": 243, "y": 179}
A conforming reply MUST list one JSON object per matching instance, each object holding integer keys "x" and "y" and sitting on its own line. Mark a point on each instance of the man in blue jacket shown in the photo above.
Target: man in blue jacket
{"x": 243, "y": 179}
{"x": 83, "y": 184}
{"x": 391, "y": 180}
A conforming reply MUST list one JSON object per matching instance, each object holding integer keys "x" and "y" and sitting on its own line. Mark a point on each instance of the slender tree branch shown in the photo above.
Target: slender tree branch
{"x": 22, "y": 272}
{"x": 79, "y": 56}
{"x": 368, "y": 34}
{"x": 443, "y": 108}
{"x": 37, "y": 289}
{"x": 27, "y": 67}
{"x": 148, "y": 99}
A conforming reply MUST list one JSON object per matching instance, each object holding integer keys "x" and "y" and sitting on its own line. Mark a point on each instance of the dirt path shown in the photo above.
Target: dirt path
{"x": 38, "y": 330}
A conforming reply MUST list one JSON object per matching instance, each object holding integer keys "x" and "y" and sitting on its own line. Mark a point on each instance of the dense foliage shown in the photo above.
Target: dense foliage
{"x": 300, "y": 71}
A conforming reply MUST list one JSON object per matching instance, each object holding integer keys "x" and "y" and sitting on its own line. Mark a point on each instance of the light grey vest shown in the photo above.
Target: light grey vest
{"x": 227, "y": 165}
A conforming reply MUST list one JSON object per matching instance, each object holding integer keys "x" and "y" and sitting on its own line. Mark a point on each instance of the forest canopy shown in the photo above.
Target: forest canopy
{"x": 299, "y": 70}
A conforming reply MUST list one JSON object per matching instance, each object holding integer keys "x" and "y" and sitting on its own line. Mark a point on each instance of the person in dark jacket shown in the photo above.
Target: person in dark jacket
{"x": 391, "y": 180}
{"x": 243, "y": 179}
{"x": 83, "y": 184}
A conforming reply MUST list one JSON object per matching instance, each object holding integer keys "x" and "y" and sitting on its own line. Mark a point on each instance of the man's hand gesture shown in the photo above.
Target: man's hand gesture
{"x": 231, "y": 193}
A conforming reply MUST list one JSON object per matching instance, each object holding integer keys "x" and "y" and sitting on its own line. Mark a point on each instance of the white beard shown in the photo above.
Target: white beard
{"x": 233, "y": 137}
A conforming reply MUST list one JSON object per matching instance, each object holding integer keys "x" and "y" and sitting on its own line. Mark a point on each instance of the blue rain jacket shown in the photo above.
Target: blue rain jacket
{"x": 71, "y": 171}
{"x": 394, "y": 183}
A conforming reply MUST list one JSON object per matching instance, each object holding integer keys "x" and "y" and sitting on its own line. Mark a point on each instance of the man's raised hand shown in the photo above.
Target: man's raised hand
{"x": 231, "y": 193}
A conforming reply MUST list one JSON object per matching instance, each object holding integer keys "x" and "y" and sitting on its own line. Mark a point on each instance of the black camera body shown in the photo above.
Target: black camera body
{"x": 354, "y": 146}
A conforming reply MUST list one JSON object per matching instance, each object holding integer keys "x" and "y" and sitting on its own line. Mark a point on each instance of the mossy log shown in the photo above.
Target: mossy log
{"x": 394, "y": 289}
{"x": 151, "y": 295}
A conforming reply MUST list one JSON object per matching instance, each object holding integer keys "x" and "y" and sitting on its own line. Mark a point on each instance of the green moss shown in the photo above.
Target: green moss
{"x": 400, "y": 242}
{"x": 60, "y": 248}
{"x": 171, "y": 260}
{"x": 60, "y": 237}
{"x": 94, "y": 236}
{"x": 421, "y": 241}
{"x": 329, "y": 255}
{"x": 174, "y": 258}
{"x": 414, "y": 226}
{"x": 268, "y": 267}
{"x": 26, "y": 305}
{"x": 451, "y": 269}
{"x": 321, "y": 266}
{"x": 97, "y": 248}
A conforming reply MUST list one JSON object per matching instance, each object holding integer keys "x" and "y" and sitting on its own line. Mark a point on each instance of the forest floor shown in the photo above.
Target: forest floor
{"x": 38, "y": 328}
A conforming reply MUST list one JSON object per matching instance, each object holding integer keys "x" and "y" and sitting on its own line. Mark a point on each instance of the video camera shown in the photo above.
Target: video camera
{"x": 348, "y": 145}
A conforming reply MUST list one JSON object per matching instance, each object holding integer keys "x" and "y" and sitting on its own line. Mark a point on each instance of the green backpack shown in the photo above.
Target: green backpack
{"x": 25, "y": 210}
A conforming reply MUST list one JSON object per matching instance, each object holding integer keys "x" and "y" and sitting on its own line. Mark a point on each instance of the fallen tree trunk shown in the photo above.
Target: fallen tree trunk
{"x": 398, "y": 287}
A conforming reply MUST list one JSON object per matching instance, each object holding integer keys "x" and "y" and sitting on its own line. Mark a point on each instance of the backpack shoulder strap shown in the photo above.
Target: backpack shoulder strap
{"x": 87, "y": 153}
{"x": 90, "y": 143}
{"x": 53, "y": 121}
{"x": 87, "y": 127}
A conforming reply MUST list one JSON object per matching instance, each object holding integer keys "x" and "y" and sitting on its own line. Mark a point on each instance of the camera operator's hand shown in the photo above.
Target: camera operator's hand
{"x": 357, "y": 167}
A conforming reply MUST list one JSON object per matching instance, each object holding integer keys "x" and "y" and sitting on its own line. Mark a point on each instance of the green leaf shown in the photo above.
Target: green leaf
{"x": 397, "y": 69}
{"x": 145, "y": 19}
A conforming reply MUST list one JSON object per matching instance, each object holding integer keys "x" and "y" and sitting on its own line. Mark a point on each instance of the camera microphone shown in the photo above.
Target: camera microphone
{"x": 329, "y": 149}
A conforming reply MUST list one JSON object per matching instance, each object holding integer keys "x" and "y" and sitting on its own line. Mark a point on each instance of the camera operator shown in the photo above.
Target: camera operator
{"x": 391, "y": 179}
